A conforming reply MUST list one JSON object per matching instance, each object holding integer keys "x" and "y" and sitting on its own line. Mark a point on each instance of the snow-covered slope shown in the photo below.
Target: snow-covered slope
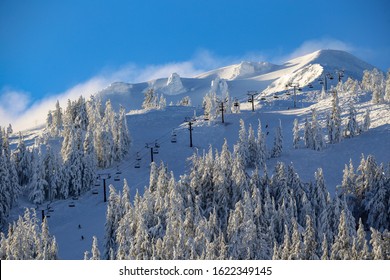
{"x": 246, "y": 76}
{"x": 148, "y": 126}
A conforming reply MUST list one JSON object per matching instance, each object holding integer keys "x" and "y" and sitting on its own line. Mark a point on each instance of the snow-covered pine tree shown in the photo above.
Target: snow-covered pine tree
{"x": 149, "y": 100}
{"x": 261, "y": 147}
{"x": 309, "y": 240}
{"x": 377, "y": 244}
{"x": 366, "y": 121}
{"x": 185, "y": 101}
{"x": 242, "y": 144}
{"x": 5, "y": 195}
{"x": 162, "y": 102}
{"x": 252, "y": 147}
{"x": 295, "y": 134}
{"x": 27, "y": 241}
{"x": 352, "y": 127}
{"x": 387, "y": 87}
{"x": 342, "y": 246}
{"x": 376, "y": 203}
{"x": 308, "y": 135}
{"x": 38, "y": 185}
{"x": 89, "y": 162}
{"x": 57, "y": 123}
{"x": 318, "y": 141}
{"x": 21, "y": 157}
{"x": 112, "y": 223}
{"x": 210, "y": 105}
{"x": 334, "y": 123}
{"x": 278, "y": 142}
{"x": 51, "y": 173}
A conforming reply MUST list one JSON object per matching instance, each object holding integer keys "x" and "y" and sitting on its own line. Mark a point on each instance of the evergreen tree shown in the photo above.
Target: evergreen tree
{"x": 252, "y": 147}
{"x": 308, "y": 135}
{"x": 38, "y": 185}
{"x": 342, "y": 246}
{"x": 366, "y": 121}
{"x": 352, "y": 128}
{"x": 295, "y": 134}
{"x": 261, "y": 147}
{"x": 112, "y": 220}
{"x": 334, "y": 127}
{"x": 387, "y": 87}
{"x": 278, "y": 142}
{"x": 309, "y": 240}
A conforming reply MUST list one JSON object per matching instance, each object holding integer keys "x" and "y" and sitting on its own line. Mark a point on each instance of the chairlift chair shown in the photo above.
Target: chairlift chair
{"x": 156, "y": 145}
{"x": 262, "y": 98}
{"x": 276, "y": 97}
{"x": 95, "y": 191}
{"x": 155, "y": 150}
{"x": 310, "y": 86}
{"x": 173, "y": 138}
{"x": 116, "y": 178}
{"x": 249, "y": 99}
{"x": 137, "y": 165}
{"x": 138, "y": 156}
{"x": 71, "y": 204}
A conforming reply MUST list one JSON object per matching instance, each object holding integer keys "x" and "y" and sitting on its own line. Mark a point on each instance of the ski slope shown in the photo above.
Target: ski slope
{"x": 147, "y": 127}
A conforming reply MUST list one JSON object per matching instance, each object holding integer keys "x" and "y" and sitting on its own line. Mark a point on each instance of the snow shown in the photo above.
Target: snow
{"x": 148, "y": 126}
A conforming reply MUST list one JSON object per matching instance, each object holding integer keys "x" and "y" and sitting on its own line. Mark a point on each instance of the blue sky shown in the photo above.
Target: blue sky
{"x": 49, "y": 48}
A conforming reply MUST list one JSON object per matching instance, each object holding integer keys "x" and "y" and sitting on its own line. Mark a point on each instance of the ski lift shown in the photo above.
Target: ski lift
{"x": 288, "y": 93}
{"x": 95, "y": 191}
{"x": 262, "y": 98}
{"x": 116, "y": 178}
{"x": 71, "y": 204}
{"x": 321, "y": 82}
{"x": 250, "y": 99}
{"x": 299, "y": 89}
{"x": 206, "y": 118}
{"x": 75, "y": 198}
{"x": 156, "y": 145}
{"x": 137, "y": 165}
{"x": 173, "y": 137}
{"x": 118, "y": 171}
{"x": 310, "y": 86}
{"x": 330, "y": 77}
{"x": 155, "y": 150}
{"x": 138, "y": 156}
{"x": 276, "y": 97}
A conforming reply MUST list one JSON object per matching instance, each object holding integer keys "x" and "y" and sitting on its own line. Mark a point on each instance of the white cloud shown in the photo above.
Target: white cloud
{"x": 315, "y": 45}
{"x": 16, "y": 106}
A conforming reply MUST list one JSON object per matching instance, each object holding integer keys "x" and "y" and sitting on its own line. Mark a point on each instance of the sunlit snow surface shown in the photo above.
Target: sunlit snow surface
{"x": 148, "y": 126}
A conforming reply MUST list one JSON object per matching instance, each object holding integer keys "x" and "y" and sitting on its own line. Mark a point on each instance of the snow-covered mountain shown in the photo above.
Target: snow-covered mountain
{"x": 74, "y": 222}
{"x": 246, "y": 76}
